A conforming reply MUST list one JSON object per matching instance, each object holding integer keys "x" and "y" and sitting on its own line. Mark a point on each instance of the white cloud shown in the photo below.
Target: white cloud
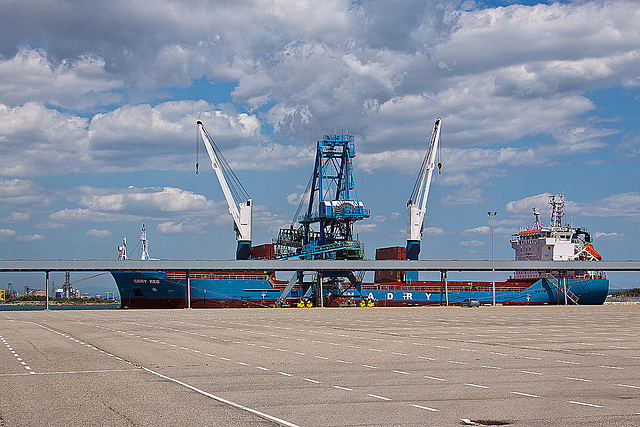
{"x": 134, "y": 204}
{"x": 100, "y": 234}
{"x": 18, "y": 217}
{"x": 524, "y": 207}
{"x": 464, "y": 196}
{"x": 22, "y": 193}
{"x": 49, "y": 225}
{"x": 184, "y": 227}
{"x": 433, "y": 231}
{"x": 7, "y": 234}
{"x": 40, "y": 141}
{"x": 625, "y": 205}
{"x": 30, "y": 238}
{"x": 483, "y": 229}
{"x": 30, "y": 76}
{"x": 629, "y": 147}
{"x": 609, "y": 236}
{"x": 471, "y": 243}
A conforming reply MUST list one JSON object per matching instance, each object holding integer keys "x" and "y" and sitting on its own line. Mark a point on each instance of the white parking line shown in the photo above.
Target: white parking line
{"x": 342, "y": 388}
{"x": 629, "y": 386}
{"x": 586, "y": 404}
{"x": 476, "y": 385}
{"x": 225, "y": 401}
{"x": 434, "y": 378}
{"x": 425, "y": 407}
{"x": 524, "y": 394}
{"x": 577, "y": 379}
{"x": 378, "y": 397}
{"x": 532, "y": 373}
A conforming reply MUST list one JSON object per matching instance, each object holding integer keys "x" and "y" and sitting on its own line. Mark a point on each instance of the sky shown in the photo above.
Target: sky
{"x": 99, "y": 100}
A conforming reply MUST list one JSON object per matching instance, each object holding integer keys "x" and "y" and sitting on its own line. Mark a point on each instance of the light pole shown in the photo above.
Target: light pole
{"x": 493, "y": 268}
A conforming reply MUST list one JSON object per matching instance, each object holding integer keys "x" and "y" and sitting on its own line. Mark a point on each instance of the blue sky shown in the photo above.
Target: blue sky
{"x": 98, "y": 104}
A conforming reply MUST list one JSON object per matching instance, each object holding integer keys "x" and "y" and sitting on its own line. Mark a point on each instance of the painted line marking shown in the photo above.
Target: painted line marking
{"x": 342, "y": 388}
{"x": 491, "y": 367}
{"x": 400, "y": 372}
{"x": 524, "y": 394}
{"x": 225, "y": 401}
{"x": 568, "y": 362}
{"x": 610, "y": 367}
{"x": 586, "y": 404}
{"x": 371, "y": 367}
{"x": 629, "y": 386}
{"x": 476, "y": 385}
{"x": 243, "y": 364}
{"x": 425, "y": 407}
{"x": 577, "y": 379}
{"x": 434, "y": 378}
{"x": 311, "y": 381}
{"x": 342, "y": 361}
{"x": 532, "y": 373}
{"x": 378, "y": 397}
{"x": 425, "y": 358}
{"x": 321, "y": 357}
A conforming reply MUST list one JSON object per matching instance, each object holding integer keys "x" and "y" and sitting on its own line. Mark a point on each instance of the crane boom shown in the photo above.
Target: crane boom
{"x": 417, "y": 204}
{"x": 241, "y": 211}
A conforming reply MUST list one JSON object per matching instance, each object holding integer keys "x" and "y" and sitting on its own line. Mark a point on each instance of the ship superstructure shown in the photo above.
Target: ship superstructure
{"x": 557, "y": 242}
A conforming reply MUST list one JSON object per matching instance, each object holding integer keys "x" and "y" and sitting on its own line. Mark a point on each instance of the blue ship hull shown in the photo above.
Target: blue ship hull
{"x": 158, "y": 289}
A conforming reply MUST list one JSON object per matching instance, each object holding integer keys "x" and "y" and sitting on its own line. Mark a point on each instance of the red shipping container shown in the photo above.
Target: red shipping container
{"x": 266, "y": 251}
{"x": 394, "y": 253}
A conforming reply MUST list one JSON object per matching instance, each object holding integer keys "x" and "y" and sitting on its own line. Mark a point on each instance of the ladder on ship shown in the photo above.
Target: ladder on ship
{"x": 566, "y": 291}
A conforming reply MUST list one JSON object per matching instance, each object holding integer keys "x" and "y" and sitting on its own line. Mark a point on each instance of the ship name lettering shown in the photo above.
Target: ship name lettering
{"x": 389, "y": 295}
{"x": 428, "y": 296}
{"x": 139, "y": 280}
{"x": 407, "y": 296}
{"x": 154, "y": 281}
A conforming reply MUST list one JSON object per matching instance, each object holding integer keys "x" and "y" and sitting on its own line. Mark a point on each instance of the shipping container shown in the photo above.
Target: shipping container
{"x": 266, "y": 251}
{"x": 394, "y": 253}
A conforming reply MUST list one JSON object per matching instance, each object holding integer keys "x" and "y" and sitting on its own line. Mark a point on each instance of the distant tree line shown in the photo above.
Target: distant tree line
{"x": 31, "y": 298}
{"x": 635, "y": 292}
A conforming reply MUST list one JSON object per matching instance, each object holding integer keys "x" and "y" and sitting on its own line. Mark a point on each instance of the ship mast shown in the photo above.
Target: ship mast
{"x": 557, "y": 212}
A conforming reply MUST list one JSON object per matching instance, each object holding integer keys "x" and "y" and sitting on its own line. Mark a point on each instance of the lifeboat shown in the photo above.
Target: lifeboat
{"x": 592, "y": 251}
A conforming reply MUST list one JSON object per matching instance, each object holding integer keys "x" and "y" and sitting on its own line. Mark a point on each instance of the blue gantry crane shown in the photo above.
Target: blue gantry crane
{"x": 333, "y": 202}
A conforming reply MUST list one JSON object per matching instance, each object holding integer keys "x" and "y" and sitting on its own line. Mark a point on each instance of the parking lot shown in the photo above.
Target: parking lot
{"x": 524, "y": 366}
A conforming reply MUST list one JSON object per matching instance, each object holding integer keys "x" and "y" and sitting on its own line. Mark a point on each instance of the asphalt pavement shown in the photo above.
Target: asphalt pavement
{"x": 436, "y": 366}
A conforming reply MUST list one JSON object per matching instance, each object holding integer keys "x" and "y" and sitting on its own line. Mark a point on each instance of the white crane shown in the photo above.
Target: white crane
{"x": 417, "y": 204}
{"x": 238, "y": 200}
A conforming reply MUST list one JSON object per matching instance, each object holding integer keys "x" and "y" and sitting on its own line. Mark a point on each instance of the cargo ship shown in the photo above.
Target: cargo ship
{"x": 325, "y": 231}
